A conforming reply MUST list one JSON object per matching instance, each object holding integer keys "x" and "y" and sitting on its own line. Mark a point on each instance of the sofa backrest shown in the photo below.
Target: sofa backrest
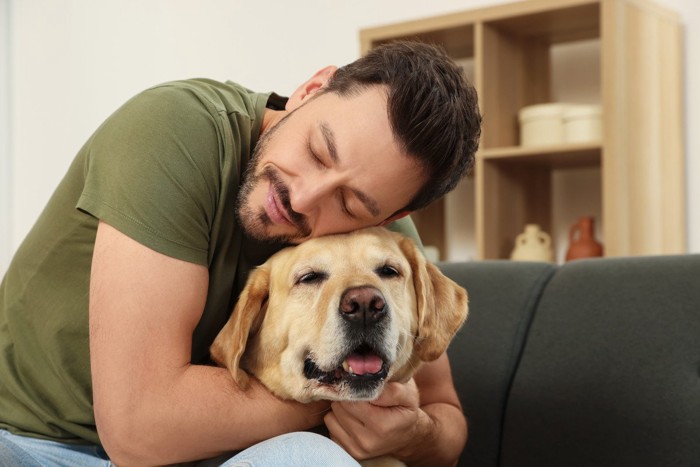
{"x": 609, "y": 375}
{"x": 593, "y": 363}
{"x": 483, "y": 356}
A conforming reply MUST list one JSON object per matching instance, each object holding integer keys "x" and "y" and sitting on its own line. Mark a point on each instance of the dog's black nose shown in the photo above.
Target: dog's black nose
{"x": 363, "y": 305}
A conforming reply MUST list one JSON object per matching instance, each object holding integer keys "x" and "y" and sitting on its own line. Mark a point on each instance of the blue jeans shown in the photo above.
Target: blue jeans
{"x": 293, "y": 449}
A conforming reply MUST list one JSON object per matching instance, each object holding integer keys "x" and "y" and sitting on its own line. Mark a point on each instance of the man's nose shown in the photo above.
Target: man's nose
{"x": 307, "y": 196}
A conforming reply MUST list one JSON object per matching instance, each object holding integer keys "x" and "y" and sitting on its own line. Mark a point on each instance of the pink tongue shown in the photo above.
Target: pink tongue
{"x": 363, "y": 364}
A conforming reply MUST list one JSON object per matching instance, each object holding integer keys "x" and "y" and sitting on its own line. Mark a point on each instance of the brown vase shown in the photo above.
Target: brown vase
{"x": 582, "y": 242}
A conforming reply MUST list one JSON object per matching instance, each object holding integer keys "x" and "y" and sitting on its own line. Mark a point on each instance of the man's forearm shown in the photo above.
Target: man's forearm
{"x": 151, "y": 406}
{"x": 201, "y": 413}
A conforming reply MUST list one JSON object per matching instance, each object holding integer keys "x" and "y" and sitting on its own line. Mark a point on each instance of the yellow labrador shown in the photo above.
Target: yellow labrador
{"x": 336, "y": 317}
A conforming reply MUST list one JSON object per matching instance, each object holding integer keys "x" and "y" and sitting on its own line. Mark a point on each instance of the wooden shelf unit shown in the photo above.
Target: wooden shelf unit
{"x": 641, "y": 155}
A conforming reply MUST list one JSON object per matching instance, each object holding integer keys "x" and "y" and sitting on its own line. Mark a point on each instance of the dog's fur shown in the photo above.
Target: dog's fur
{"x": 367, "y": 298}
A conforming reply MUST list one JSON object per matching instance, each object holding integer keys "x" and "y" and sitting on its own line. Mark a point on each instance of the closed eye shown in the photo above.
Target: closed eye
{"x": 312, "y": 277}
{"x": 387, "y": 271}
{"x": 344, "y": 205}
{"x": 314, "y": 155}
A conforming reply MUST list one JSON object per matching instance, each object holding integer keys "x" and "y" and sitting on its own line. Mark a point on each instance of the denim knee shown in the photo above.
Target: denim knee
{"x": 293, "y": 449}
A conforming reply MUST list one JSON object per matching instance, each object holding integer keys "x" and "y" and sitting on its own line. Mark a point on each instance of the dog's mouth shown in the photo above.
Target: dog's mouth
{"x": 362, "y": 365}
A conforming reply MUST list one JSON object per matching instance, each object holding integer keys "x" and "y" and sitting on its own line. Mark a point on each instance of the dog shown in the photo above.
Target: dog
{"x": 336, "y": 317}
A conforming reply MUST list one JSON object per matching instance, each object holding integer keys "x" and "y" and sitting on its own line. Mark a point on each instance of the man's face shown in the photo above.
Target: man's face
{"x": 330, "y": 166}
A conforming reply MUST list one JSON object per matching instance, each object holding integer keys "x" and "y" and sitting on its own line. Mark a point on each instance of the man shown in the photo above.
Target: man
{"x": 109, "y": 306}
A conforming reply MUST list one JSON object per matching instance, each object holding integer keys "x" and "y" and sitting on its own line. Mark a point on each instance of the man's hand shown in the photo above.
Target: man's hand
{"x": 419, "y": 422}
{"x": 386, "y": 425}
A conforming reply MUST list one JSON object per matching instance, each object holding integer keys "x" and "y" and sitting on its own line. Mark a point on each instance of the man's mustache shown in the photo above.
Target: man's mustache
{"x": 299, "y": 220}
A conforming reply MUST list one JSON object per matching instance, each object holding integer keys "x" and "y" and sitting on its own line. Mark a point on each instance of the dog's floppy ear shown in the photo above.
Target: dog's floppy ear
{"x": 442, "y": 304}
{"x": 228, "y": 347}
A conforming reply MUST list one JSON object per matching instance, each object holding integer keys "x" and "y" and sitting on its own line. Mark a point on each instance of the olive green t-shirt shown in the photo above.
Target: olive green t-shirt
{"x": 165, "y": 170}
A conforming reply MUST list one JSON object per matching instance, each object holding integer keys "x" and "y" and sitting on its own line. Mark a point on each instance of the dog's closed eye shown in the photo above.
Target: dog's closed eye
{"x": 311, "y": 277}
{"x": 387, "y": 271}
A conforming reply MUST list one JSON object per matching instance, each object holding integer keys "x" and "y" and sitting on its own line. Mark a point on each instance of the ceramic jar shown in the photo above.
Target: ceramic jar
{"x": 533, "y": 244}
{"x": 582, "y": 241}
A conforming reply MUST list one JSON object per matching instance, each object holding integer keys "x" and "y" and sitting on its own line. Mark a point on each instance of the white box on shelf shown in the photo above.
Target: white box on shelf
{"x": 559, "y": 123}
{"x": 582, "y": 124}
{"x": 541, "y": 124}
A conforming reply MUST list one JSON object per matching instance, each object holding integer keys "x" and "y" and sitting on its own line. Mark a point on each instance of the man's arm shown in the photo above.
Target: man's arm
{"x": 439, "y": 399}
{"x": 151, "y": 405}
{"x": 420, "y": 422}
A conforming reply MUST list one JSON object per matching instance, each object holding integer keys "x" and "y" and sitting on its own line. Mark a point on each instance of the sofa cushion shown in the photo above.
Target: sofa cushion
{"x": 484, "y": 354}
{"x": 610, "y": 370}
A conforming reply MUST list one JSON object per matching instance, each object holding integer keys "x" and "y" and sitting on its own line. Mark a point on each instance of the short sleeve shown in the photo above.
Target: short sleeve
{"x": 406, "y": 227}
{"x": 153, "y": 171}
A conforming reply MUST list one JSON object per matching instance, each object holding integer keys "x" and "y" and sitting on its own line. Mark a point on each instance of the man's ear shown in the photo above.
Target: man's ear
{"x": 310, "y": 87}
{"x": 394, "y": 217}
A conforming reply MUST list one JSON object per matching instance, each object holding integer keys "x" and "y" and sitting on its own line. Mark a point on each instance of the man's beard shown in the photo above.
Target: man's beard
{"x": 255, "y": 222}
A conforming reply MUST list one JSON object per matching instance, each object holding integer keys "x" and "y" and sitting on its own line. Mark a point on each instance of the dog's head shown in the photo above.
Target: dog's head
{"x": 337, "y": 316}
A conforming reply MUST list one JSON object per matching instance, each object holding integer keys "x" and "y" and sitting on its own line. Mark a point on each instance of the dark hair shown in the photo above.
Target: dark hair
{"x": 433, "y": 109}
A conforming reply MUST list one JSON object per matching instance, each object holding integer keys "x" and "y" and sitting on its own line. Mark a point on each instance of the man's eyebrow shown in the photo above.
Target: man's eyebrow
{"x": 369, "y": 203}
{"x": 329, "y": 137}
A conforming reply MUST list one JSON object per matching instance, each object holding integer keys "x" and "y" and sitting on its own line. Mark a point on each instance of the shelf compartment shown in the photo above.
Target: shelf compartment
{"x": 508, "y": 196}
{"x": 515, "y": 187}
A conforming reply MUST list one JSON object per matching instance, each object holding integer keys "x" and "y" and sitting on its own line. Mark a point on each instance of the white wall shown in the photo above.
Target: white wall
{"x": 70, "y": 63}
{"x": 6, "y": 246}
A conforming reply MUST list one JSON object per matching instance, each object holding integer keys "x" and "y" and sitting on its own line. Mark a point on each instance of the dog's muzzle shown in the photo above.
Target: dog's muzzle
{"x": 364, "y": 368}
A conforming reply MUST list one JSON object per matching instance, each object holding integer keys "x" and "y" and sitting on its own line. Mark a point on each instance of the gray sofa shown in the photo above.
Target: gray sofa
{"x": 593, "y": 363}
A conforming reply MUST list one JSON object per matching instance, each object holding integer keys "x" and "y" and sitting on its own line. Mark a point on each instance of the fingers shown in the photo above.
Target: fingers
{"x": 399, "y": 394}
{"x": 348, "y": 431}
{"x": 370, "y": 429}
